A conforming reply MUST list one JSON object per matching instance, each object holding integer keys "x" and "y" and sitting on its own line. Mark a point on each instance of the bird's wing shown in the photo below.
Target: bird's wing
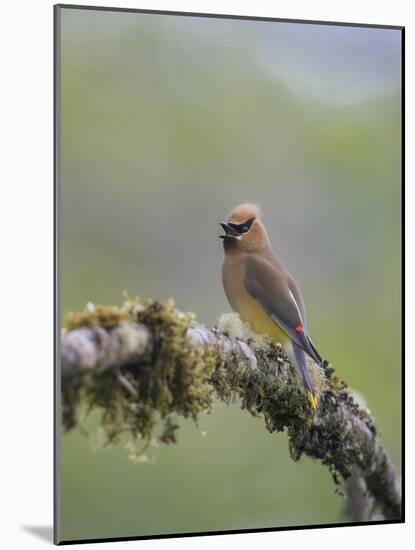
{"x": 300, "y": 302}
{"x": 298, "y": 297}
{"x": 269, "y": 285}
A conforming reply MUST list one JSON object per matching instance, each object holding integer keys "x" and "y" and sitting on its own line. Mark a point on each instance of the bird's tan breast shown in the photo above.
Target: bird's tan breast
{"x": 249, "y": 309}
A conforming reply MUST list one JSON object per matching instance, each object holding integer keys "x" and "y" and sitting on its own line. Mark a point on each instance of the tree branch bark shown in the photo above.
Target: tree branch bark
{"x": 140, "y": 362}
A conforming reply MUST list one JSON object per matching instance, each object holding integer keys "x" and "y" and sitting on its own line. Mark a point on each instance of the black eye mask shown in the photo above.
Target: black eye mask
{"x": 242, "y": 227}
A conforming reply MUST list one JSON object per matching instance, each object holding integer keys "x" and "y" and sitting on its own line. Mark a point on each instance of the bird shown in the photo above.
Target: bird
{"x": 262, "y": 291}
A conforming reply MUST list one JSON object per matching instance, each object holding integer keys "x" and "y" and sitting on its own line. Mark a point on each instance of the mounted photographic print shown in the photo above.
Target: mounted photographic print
{"x": 229, "y": 284}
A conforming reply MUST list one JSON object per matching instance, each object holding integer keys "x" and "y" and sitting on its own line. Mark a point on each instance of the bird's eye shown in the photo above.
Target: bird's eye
{"x": 247, "y": 225}
{"x": 242, "y": 227}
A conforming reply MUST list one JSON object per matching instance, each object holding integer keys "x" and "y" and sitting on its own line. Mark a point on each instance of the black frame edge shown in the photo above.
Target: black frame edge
{"x": 56, "y": 278}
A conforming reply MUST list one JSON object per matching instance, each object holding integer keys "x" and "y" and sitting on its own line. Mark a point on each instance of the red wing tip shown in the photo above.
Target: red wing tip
{"x": 299, "y": 328}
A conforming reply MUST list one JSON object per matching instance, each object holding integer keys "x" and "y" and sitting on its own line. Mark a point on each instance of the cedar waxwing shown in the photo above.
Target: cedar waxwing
{"x": 262, "y": 291}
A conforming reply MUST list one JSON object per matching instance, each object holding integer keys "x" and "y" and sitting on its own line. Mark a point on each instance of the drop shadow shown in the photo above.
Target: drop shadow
{"x": 44, "y": 532}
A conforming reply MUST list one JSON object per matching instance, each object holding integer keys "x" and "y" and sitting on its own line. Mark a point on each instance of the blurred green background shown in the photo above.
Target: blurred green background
{"x": 169, "y": 122}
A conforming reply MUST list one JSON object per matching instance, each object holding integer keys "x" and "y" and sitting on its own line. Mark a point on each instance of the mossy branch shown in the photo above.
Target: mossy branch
{"x": 142, "y": 362}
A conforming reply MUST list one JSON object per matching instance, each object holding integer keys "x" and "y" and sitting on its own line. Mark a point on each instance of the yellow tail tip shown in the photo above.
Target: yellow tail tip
{"x": 312, "y": 400}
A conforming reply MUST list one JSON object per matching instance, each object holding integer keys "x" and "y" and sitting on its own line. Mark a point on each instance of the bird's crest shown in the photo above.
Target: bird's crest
{"x": 244, "y": 212}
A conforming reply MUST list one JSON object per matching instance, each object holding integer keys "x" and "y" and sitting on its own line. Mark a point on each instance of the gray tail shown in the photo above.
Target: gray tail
{"x": 317, "y": 357}
{"x": 302, "y": 367}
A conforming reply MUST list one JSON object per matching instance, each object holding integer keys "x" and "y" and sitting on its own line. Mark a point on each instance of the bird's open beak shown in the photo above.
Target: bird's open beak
{"x": 229, "y": 230}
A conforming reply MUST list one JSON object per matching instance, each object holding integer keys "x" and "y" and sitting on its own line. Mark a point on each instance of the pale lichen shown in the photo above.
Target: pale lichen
{"x": 318, "y": 378}
{"x": 232, "y": 324}
{"x": 133, "y": 339}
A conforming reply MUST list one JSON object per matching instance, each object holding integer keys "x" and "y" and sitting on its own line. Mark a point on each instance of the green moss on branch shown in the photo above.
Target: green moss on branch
{"x": 143, "y": 362}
